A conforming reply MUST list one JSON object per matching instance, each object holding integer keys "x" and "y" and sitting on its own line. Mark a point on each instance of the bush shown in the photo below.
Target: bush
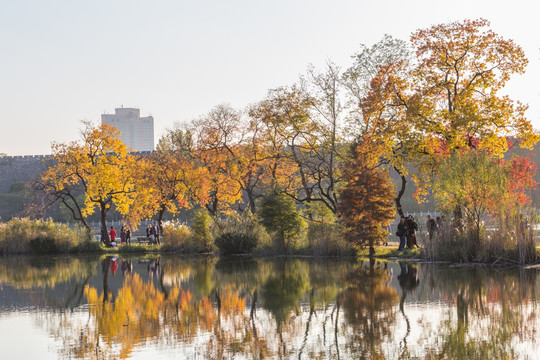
{"x": 327, "y": 239}
{"x": 202, "y": 235}
{"x": 448, "y": 244}
{"x": 280, "y": 217}
{"x": 17, "y": 234}
{"x": 243, "y": 223}
{"x": 176, "y": 237}
{"x": 235, "y": 243}
{"x": 325, "y": 234}
{"x": 43, "y": 246}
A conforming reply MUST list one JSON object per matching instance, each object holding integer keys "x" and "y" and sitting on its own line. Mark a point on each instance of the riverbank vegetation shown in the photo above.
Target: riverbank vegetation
{"x": 24, "y": 236}
{"x": 306, "y": 170}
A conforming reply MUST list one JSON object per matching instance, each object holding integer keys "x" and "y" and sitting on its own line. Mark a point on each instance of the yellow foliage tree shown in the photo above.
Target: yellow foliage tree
{"x": 100, "y": 165}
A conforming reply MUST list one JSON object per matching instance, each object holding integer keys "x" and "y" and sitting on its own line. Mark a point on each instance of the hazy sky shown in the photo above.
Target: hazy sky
{"x": 67, "y": 61}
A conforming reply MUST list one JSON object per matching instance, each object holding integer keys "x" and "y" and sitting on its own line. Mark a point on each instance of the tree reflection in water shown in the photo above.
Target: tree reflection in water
{"x": 495, "y": 313}
{"x": 27, "y": 273}
{"x": 369, "y": 309}
{"x": 282, "y": 308}
{"x": 408, "y": 281}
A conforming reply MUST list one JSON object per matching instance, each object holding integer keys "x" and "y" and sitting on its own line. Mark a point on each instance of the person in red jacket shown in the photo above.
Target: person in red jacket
{"x": 112, "y": 234}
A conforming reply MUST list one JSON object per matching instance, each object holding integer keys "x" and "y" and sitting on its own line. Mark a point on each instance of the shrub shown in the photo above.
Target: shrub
{"x": 45, "y": 245}
{"x": 280, "y": 217}
{"x": 202, "y": 235}
{"x": 235, "y": 243}
{"x": 176, "y": 237}
{"x": 510, "y": 237}
{"x": 448, "y": 244}
{"x": 326, "y": 239}
{"x": 243, "y": 223}
{"x": 16, "y": 235}
{"x": 325, "y": 234}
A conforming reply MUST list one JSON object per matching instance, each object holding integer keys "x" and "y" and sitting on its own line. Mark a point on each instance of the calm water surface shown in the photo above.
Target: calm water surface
{"x": 184, "y": 308}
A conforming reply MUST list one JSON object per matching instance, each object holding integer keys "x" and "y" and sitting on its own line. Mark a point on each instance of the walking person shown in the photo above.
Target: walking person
{"x": 128, "y": 236}
{"x": 402, "y": 230}
{"x": 112, "y": 234}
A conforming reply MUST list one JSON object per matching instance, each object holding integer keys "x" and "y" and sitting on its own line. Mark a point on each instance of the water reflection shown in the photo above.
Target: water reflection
{"x": 130, "y": 307}
{"x": 369, "y": 309}
{"x": 44, "y": 281}
{"x": 494, "y": 313}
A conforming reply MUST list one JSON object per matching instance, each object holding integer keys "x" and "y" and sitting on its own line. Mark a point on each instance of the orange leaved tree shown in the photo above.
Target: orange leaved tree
{"x": 366, "y": 207}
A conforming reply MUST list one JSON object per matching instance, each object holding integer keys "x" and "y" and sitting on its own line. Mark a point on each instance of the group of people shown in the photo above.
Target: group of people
{"x": 125, "y": 235}
{"x": 152, "y": 232}
{"x": 406, "y": 231}
{"x": 407, "y": 227}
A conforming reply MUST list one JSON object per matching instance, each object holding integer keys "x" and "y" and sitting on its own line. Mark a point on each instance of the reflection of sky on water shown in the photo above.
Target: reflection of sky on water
{"x": 316, "y": 309}
{"x": 23, "y": 338}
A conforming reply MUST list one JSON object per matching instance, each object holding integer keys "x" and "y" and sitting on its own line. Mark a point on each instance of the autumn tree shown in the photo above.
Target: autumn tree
{"x": 443, "y": 98}
{"x": 371, "y": 83}
{"x": 474, "y": 181}
{"x": 216, "y": 138}
{"x": 168, "y": 179}
{"x": 366, "y": 207}
{"x": 300, "y": 132}
{"x": 454, "y": 91}
{"x": 100, "y": 164}
{"x": 284, "y": 123}
{"x": 251, "y": 157}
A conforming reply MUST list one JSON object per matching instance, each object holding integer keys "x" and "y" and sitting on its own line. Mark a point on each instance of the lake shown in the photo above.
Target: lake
{"x": 168, "y": 307}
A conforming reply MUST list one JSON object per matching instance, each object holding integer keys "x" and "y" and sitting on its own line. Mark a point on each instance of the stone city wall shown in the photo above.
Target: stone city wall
{"x": 21, "y": 168}
{"x": 25, "y": 168}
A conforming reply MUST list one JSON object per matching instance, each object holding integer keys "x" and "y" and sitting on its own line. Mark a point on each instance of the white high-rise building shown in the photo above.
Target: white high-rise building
{"x": 136, "y": 132}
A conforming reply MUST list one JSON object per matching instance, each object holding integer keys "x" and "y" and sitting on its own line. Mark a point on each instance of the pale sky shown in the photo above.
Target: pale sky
{"x": 63, "y": 61}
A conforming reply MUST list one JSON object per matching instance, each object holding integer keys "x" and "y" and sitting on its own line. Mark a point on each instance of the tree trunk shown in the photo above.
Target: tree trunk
{"x": 400, "y": 193}
{"x": 371, "y": 257}
{"x": 103, "y": 209}
{"x": 213, "y": 206}
{"x": 251, "y": 199}
{"x": 160, "y": 219}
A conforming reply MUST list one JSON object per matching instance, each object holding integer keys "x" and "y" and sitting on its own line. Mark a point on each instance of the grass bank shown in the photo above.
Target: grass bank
{"x": 391, "y": 252}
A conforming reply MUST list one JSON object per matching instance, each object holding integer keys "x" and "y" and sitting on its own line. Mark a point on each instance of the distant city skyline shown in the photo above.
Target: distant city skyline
{"x": 66, "y": 61}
